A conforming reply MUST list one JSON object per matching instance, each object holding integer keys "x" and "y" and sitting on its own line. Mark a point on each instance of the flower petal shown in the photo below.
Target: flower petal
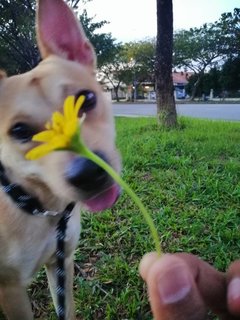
{"x": 39, "y": 151}
{"x": 58, "y": 122}
{"x": 78, "y": 105}
{"x": 60, "y": 131}
{"x": 68, "y": 108}
{"x": 44, "y": 136}
{"x": 59, "y": 142}
{"x": 70, "y": 128}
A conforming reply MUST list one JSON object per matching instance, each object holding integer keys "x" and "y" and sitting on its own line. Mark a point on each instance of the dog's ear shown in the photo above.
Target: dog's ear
{"x": 60, "y": 33}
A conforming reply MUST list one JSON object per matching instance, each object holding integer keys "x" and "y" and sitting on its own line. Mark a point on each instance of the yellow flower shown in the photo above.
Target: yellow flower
{"x": 63, "y": 132}
{"x": 60, "y": 131}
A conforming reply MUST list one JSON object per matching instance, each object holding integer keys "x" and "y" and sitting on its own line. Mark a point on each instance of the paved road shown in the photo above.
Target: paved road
{"x": 209, "y": 111}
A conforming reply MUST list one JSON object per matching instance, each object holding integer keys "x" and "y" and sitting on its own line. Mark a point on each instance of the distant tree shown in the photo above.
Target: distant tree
{"x": 18, "y": 48}
{"x": 231, "y": 74}
{"x": 166, "y": 108}
{"x": 225, "y": 79}
{"x": 229, "y": 30}
{"x": 198, "y": 50}
{"x": 117, "y": 72}
{"x": 141, "y": 54}
{"x": 103, "y": 43}
{"x": 213, "y": 82}
{"x": 209, "y": 81}
{"x": 131, "y": 64}
{"x": 74, "y": 3}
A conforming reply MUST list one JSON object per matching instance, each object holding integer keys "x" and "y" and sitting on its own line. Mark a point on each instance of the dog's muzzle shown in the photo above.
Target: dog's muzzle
{"x": 99, "y": 190}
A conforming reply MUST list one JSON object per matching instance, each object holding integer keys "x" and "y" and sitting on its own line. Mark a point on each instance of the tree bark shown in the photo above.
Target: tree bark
{"x": 166, "y": 108}
{"x": 116, "y": 93}
{"x": 196, "y": 85}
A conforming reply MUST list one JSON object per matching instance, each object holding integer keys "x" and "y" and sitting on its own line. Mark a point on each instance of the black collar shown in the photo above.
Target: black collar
{"x": 24, "y": 200}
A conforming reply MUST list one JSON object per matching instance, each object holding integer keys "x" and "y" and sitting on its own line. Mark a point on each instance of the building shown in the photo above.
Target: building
{"x": 180, "y": 80}
{"x": 146, "y": 90}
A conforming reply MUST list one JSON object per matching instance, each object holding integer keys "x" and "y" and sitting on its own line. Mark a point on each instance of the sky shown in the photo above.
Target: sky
{"x": 133, "y": 20}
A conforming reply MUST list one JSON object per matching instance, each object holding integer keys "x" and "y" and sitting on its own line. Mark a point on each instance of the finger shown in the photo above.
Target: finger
{"x": 146, "y": 262}
{"x": 233, "y": 294}
{"x": 212, "y": 286}
{"x": 210, "y": 282}
{"x": 172, "y": 290}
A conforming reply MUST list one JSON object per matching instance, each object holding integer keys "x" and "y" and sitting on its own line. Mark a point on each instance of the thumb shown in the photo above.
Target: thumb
{"x": 172, "y": 290}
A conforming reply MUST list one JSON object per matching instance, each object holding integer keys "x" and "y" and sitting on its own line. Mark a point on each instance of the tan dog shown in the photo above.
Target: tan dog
{"x": 26, "y": 103}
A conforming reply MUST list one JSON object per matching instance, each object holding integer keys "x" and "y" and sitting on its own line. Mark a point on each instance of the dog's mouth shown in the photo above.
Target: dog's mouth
{"x": 93, "y": 186}
{"x": 103, "y": 200}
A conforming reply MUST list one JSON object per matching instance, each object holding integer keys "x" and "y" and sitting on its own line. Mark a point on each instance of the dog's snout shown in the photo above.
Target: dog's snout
{"x": 84, "y": 174}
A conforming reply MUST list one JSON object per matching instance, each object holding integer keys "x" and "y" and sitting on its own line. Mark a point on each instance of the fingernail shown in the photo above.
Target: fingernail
{"x": 174, "y": 285}
{"x": 234, "y": 289}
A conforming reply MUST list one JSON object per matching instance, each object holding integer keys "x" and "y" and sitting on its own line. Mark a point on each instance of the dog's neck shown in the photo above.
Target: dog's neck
{"x": 32, "y": 197}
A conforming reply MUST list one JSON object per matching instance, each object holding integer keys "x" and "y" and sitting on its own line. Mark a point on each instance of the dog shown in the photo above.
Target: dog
{"x": 27, "y": 101}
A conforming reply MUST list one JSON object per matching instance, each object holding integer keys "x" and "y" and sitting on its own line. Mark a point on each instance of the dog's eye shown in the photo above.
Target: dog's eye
{"x": 22, "y": 132}
{"x": 89, "y": 102}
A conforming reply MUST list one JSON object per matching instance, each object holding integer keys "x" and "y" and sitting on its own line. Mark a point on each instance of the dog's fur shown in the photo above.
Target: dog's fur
{"x": 28, "y": 242}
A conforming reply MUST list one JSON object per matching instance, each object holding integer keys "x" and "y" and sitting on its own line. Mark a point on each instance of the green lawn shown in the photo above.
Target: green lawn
{"x": 189, "y": 180}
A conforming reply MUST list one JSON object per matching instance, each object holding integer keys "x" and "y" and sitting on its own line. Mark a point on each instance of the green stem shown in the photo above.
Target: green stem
{"x": 84, "y": 151}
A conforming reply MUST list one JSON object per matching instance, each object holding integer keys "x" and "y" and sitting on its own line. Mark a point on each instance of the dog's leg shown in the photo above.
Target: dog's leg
{"x": 69, "y": 301}
{"x": 15, "y": 303}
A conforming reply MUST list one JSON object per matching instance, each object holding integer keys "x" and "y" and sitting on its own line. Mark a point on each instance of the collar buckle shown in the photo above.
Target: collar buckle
{"x": 46, "y": 213}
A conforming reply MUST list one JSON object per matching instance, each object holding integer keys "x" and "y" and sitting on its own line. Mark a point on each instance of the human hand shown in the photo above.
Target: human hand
{"x": 183, "y": 287}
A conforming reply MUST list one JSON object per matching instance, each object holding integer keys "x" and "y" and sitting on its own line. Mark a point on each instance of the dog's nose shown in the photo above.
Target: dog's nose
{"x": 84, "y": 174}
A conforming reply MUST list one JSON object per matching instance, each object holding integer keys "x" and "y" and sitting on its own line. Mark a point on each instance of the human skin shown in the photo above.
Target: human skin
{"x": 184, "y": 287}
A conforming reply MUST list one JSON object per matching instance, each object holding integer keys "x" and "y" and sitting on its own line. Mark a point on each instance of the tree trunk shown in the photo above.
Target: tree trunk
{"x": 116, "y": 93}
{"x": 195, "y": 87}
{"x": 166, "y": 108}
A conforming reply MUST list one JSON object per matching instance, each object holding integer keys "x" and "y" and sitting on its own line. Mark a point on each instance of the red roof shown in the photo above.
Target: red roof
{"x": 181, "y": 77}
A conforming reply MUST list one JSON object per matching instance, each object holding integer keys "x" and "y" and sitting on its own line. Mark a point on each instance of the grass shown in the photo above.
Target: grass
{"x": 189, "y": 180}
